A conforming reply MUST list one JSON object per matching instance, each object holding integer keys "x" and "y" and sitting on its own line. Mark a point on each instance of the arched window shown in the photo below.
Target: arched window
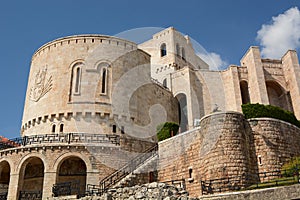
{"x": 183, "y": 53}
{"x": 61, "y": 128}
{"x": 104, "y": 81}
{"x": 53, "y": 128}
{"x": 177, "y": 49}
{"x": 77, "y": 78}
{"x": 163, "y": 50}
{"x": 165, "y": 82}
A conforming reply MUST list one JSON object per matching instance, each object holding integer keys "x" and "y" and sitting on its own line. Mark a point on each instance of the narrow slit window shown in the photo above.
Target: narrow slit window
{"x": 104, "y": 78}
{"x": 165, "y": 83}
{"x": 190, "y": 173}
{"x": 114, "y": 128}
{"x": 259, "y": 160}
{"x": 183, "y": 53}
{"x": 77, "y": 78}
{"x": 122, "y": 130}
{"x": 53, "y": 128}
{"x": 61, "y": 128}
{"x": 177, "y": 49}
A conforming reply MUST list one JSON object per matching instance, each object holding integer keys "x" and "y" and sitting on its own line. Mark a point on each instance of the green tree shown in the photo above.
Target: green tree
{"x": 166, "y": 130}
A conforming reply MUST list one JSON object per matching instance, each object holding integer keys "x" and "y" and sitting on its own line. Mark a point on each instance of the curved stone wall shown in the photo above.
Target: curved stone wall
{"x": 276, "y": 142}
{"x": 226, "y": 149}
{"x": 72, "y": 82}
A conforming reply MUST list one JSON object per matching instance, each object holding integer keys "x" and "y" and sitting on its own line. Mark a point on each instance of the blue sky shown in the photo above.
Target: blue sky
{"x": 225, "y": 28}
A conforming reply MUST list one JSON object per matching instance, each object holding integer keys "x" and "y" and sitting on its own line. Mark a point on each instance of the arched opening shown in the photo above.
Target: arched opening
{"x": 183, "y": 113}
{"x": 163, "y": 50}
{"x": 31, "y": 178}
{"x": 244, "y": 92}
{"x": 277, "y": 96}
{"x": 177, "y": 50}
{"x": 72, "y": 171}
{"x": 4, "y": 178}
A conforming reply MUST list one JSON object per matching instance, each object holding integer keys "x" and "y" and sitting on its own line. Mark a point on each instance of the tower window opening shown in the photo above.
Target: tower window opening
{"x": 77, "y": 78}
{"x": 165, "y": 83}
{"x": 104, "y": 78}
{"x": 183, "y": 53}
{"x": 122, "y": 130}
{"x": 61, "y": 128}
{"x": 114, "y": 128}
{"x": 177, "y": 49}
{"x": 163, "y": 50}
{"x": 53, "y": 128}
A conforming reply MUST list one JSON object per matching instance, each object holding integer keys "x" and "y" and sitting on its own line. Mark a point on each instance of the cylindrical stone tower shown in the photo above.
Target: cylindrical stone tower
{"x": 94, "y": 84}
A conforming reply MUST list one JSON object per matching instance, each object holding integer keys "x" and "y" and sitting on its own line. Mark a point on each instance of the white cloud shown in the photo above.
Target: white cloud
{"x": 214, "y": 60}
{"x": 282, "y": 34}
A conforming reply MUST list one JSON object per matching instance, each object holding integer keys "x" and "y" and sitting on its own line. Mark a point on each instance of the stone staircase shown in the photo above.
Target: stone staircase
{"x": 140, "y": 175}
{"x": 135, "y": 170}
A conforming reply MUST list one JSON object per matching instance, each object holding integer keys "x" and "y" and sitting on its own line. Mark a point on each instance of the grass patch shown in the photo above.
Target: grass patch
{"x": 275, "y": 183}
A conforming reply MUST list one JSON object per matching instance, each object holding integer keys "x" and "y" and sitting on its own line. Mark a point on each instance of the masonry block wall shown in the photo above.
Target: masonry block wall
{"x": 227, "y": 145}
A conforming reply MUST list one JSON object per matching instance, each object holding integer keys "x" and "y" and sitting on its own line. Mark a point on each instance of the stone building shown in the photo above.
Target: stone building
{"x": 93, "y": 103}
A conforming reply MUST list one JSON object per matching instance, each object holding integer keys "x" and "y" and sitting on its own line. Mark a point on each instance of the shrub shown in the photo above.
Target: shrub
{"x": 291, "y": 168}
{"x": 259, "y": 110}
{"x": 164, "y": 130}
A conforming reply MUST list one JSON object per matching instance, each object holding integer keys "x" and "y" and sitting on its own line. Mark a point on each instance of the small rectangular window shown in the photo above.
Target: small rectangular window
{"x": 114, "y": 128}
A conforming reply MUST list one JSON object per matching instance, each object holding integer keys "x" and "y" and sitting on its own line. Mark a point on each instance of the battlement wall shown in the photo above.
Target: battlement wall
{"x": 88, "y": 39}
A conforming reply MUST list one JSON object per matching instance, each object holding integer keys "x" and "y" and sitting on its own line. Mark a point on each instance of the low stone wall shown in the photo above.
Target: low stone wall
{"x": 151, "y": 191}
{"x": 278, "y": 193}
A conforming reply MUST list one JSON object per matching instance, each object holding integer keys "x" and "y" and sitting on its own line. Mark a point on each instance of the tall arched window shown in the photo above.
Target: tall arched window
{"x": 77, "y": 78}
{"x": 61, "y": 128}
{"x": 104, "y": 81}
{"x": 183, "y": 53}
{"x": 165, "y": 83}
{"x": 163, "y": 50}
{"x": 53, "y": 128}
{"x": 177, "y": 49}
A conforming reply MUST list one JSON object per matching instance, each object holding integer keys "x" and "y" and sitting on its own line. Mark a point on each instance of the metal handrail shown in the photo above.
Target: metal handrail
{"x": 66, "y": 138}
{"x": 235, "y": 183}
{"x": 128, "y": 168}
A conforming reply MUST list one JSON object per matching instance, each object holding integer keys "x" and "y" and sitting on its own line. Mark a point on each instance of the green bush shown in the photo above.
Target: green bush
{"x": 259, "y": 110}
{"x": 164, "y": 130}
{"x": 291, "y": 168}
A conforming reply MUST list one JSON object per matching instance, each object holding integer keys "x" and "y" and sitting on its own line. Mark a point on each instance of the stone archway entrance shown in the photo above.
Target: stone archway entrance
{"x": 183, "y": 112}
{"x": 71, "y": 175}
{"x": 31, "y": 179}
{"x": 4, "y": 178}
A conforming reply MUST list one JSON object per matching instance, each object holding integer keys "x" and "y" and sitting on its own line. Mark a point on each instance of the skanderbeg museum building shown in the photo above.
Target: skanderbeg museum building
{"x": 93, "y": 103}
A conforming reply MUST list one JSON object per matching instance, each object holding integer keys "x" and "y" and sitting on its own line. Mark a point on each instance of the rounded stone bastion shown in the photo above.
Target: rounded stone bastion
{"x": 93, "y": 84}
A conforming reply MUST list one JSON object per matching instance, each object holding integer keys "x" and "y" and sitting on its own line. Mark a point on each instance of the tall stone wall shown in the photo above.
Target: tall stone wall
{"x": 276, "y": 142}
{"x": 220, "y": 148}
{"x": 226, "y": 145}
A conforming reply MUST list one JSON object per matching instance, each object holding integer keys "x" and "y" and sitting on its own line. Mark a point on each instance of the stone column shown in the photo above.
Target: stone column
{"x": 49, "y": 181}
{"x": 13, "y": 187}
{"x": 256, "y": 78}
{"x": 291, "y": 71}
